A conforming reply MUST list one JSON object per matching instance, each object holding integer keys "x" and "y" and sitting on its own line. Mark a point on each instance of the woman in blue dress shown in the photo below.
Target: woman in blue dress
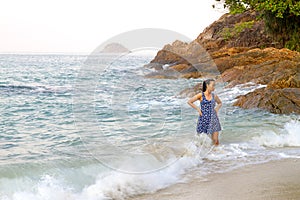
{"x": 208, "y": 121}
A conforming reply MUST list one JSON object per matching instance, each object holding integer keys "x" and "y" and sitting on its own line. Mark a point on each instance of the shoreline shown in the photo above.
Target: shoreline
{"x": 276, "y": 179}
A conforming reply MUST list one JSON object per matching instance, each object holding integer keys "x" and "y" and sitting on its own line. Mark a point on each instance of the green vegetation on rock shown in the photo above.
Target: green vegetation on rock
{"x": 228, "y": 33}
{"x": 281, "y": 17}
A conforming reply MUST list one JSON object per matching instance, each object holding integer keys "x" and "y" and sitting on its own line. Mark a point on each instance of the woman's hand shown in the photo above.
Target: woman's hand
{"x": 200, "y": 113}
{"x": 219, "y": 104}
{"x": 194, "y": 98}
{"x": 217, "y": 110}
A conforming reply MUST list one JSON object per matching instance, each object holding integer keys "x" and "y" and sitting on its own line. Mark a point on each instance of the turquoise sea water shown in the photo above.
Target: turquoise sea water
{"x": 70, "y": 131}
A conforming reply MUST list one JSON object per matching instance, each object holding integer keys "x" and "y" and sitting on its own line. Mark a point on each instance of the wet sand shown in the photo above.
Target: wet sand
{"x": 274, "y": 180}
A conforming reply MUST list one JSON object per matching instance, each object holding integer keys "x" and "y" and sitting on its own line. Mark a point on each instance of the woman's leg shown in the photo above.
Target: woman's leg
{"x": 215, "y": 138}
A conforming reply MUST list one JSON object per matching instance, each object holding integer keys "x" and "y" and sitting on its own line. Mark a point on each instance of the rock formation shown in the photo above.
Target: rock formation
{"x": 238, "y": 48}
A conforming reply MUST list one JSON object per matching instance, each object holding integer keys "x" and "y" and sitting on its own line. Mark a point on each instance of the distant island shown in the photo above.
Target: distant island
{"x": 115, "y": 48}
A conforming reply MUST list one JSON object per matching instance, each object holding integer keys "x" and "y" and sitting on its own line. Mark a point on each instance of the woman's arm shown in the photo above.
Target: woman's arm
{"x": 193, "y": 99}
{"x": 219, "y": 103}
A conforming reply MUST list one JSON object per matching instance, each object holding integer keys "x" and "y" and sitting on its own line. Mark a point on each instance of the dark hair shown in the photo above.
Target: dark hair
{"x": 205, "y": 83}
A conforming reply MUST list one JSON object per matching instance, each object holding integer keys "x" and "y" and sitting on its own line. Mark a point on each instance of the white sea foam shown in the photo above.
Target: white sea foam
{"x": 117, "y": 185}
{"x": 288, "y": 137}
{"x": 284, "y": 155}
{"x": 111, "y": 184}
{"x": 229, "y": 94}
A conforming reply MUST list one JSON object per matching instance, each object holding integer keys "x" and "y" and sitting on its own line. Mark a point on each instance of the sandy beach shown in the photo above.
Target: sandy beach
{"x": 276, "y": 180}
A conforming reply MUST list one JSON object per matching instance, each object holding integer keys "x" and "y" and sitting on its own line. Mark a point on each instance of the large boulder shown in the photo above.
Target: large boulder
{"x": 277, "y": 67}
{"x": 279, "y": 101}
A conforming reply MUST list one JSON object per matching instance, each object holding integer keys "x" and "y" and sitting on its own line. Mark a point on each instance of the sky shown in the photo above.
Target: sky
{"x": 79, "y": 26}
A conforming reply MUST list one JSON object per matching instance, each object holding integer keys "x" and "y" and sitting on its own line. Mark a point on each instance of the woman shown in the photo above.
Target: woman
{"x": 208, "y": 121}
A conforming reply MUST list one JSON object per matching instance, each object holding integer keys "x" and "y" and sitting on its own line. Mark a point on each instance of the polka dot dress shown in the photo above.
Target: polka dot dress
{"x": 209, "y": 121}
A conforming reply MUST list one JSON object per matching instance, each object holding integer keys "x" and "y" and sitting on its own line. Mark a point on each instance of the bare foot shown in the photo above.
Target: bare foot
{"x": 217, "y": 143}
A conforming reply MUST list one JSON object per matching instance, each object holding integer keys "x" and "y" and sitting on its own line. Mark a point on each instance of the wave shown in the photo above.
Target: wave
{"x": 288, "y": 137}
{"x": 112, "y": 184}
{"x": 72, "y": 184}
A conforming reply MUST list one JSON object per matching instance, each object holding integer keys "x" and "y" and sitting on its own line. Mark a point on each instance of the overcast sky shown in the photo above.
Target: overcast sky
{"x": 81, "y": 25}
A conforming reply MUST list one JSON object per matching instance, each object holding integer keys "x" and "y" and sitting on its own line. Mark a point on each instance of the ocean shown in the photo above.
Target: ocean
{"x": 71, "y": 131}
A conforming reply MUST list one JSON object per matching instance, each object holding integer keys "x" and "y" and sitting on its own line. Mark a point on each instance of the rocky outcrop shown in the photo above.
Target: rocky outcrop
{"x": 239, "y": 30}
{"x": 237, "y": 49}
{"x": 276, "y": 67}
{"x": 243, "y": 31}
{"x": 182, "y": 60}
{"x": 280, "y": 101}
{"x": 279, "y": 69}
